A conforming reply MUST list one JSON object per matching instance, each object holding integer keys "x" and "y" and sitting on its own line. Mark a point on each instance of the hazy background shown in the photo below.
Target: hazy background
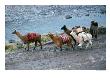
{"x": 50, "y": 18}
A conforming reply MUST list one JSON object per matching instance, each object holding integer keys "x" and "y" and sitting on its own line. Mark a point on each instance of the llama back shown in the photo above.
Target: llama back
{"x": 85, "y": 36}
{"x": 64, "y": 37}
{"x": 32, "y": 36}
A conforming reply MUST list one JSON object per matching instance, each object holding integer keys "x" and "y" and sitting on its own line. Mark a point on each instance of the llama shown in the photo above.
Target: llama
{"x": 94, "y": 29}
{"x": 67, "y": 31}
{"x": 82, "y": 38}
{"x": 60, "y": 40}
{"x": 29, "y": 38}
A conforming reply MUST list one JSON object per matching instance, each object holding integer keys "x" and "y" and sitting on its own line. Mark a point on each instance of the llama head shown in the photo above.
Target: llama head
{"x": 92, "y": 22}
{"x": 50, "y": 34}
{"x": 64, "y": 27}
{"x": 84, "y": 28}
{"x": 14, "y": 32}
{"x": 77, "y": 27}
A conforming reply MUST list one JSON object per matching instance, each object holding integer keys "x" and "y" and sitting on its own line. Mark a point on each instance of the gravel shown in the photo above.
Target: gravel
{"x": 47, "y": 59}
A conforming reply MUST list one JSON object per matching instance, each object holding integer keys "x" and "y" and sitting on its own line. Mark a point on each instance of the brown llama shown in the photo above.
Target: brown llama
{"x": 29, "y": 38}
{"x": 61, "y": 40}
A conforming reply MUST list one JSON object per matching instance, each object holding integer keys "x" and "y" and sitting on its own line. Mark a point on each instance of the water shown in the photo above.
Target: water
{"x": 44, "y": 19}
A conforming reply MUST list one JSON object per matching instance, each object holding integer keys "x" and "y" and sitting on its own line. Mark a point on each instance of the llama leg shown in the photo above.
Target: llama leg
{"x": 87, "y": 45}
{"x": 80, "y": 44}
{"x": 59, "y": 45}
{"x": 25, "y": 46}
{"x": 55, "y": 48}
{"x": 35, "y": 45}
{"x": 96, "y": 35}
{"x": 74, "y": 41}
{"x": 60, "y": 48}
{"x": 72, "y": 46}
{"x": 40, "y": 44}
{"x": 28, "y": 47}
{"x": 90, "y": 43}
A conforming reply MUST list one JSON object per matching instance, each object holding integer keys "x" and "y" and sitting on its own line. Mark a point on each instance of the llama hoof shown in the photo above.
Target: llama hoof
{"x": 79, "y": 48}
{"x": 60, "y": 49}
{"x": 34, "y": 49}
{"x": 73, "y": 48}
{"x": 49, "y": 49}
{"x": 91, "y": 47}
{"x": 54, "y": 50}
{"x": 25, "y": 48}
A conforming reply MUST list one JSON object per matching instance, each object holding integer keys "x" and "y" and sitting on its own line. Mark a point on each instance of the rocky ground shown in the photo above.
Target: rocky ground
{"x": 47, "y": 59}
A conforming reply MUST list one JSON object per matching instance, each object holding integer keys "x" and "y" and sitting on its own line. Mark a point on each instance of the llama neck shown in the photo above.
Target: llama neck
{"x": 19, "y": 35}
{"x": 53, "y": 38}
{"x": 75, "y": 36}
{"x": 66, "y": 29}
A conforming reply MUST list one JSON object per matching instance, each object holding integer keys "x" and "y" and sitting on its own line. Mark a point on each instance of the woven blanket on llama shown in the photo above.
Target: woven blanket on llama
{"x": 32, "y": 36}
{"x": 64, "y": 37}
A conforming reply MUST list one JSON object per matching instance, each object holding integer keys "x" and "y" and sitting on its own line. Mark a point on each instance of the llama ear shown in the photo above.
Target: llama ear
{"x": 49, "y": 32}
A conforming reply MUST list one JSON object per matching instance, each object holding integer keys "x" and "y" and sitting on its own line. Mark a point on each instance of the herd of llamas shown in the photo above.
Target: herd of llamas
{"x": 77, "y": 36}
